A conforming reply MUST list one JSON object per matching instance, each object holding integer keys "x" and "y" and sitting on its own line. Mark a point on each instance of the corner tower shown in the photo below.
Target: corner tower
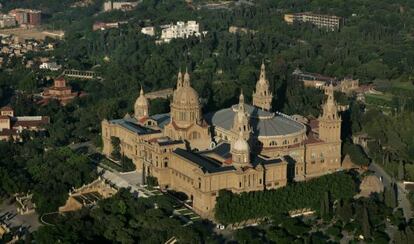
{"x": 262, "y": 97}
{"x": 141, "y": 106}
{"x": 330, "y": 121}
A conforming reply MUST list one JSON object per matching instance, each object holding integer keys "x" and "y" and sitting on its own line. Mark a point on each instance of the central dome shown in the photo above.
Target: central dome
{"x": 185, "y": 106}
{"x": 186, "y": 96}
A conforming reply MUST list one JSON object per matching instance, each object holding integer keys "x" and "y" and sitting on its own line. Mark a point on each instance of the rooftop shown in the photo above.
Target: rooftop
{"x": 165, "y": 141}
{"x": 262, "y": 122}
{"x": 131, "y": 124}
{"x": 206, "y": 164}
{"x": 161, "y": 119}
{"x": 223, "y": 150}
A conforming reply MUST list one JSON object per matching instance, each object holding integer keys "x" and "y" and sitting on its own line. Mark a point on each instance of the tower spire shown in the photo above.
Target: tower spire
{"x": 241, "y": 97}
{"x": 179, "y": 79}
{"x": 262, "y": 97}
{"x": 330, "y": 108}
{"x": 241, "y": 119}
{"x": 263, "y": 72}
{"x": 141, "y": 92}
{"x": 330, "y": 121}
{"x": 186, "y": 78}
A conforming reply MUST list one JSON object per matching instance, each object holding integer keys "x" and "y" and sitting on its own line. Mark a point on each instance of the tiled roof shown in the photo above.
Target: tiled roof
{"x": 312, "y": 138}
{"x": 161, "y": 119}
{"x": 165, "y": 141}
{"x": 264, "y": 161}
{"x": 132, "y": 125}
{"x": 222, "y": 150}
{"x": 207, "y": 164}
{"x": 8, "y": 132}
{"x": 6, "y": 108}
{"x": 314, "y": 123}
{"x": 27, "y": 122}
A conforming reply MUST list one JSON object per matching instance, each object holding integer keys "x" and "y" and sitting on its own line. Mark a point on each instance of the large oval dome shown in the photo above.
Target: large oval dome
{"x": 263, "y": 123}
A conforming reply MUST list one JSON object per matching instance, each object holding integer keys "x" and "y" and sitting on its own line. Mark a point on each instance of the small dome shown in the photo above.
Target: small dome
{"x": 142, "y": 100}
{"x": 241, "y": 144}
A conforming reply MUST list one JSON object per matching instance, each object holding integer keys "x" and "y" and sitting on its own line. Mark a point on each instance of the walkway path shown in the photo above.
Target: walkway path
{"x": 403, "y": 201}
{"x": 28, "y": 220}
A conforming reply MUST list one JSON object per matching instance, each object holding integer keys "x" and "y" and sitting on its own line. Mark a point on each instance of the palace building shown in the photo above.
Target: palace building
{"x": 241, "y": 148}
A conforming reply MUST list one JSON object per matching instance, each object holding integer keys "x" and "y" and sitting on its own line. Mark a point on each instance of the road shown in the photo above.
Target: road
{"x": 89, "y": 145}
{"x": 380, "y": 173}
{"x": 403, "y": 201}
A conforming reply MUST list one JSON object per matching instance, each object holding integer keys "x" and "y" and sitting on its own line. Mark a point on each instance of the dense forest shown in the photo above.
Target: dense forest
{"x": 233, "y": 208}
{"x": 48, "y": 175}
{"x": 124, "y": 219}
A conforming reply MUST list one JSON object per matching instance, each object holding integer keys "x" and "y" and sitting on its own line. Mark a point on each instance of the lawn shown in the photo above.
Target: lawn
{"x": 111, "y": 165}
{"x": 386, "y": 85}
{"x": 379, "y": 99}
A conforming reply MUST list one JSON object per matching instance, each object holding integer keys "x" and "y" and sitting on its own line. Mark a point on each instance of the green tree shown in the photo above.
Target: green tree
{"x": 116, "y": 148}
{"x": 366, "y": 225}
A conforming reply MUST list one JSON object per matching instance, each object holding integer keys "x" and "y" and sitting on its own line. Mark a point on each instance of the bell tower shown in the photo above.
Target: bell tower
{"x": 262, "y": 97}
{"x": 330, "y": 120}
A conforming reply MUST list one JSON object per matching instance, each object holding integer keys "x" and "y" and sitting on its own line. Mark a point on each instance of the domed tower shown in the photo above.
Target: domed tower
{"x": 330, "y": 121}
{"x": 262, "y": 97}
{"x": 141, "y": 106}
{"x": 240, "y": 151}
{"x": 241, "y": 120}
{"x": 185, "y": 107}
{"x": 186, "y": 121}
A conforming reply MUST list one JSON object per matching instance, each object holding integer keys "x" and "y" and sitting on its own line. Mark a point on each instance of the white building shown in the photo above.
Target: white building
{"x": 124, "y": 6}
{"x": 7, "y": 21}
{"x": 180, "y": 30}
{"x": 53, "y": 66}
{"x": 150, "y": 30}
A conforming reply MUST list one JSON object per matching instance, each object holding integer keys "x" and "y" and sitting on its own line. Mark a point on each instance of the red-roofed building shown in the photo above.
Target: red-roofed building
{"x": 59, "y": 91}
{"x": 12, "y": 127}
